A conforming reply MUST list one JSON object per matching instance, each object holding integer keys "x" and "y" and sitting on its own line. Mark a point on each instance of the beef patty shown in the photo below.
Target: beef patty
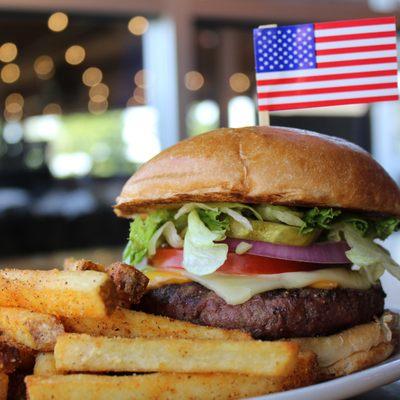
{"x": 270, "y": 315}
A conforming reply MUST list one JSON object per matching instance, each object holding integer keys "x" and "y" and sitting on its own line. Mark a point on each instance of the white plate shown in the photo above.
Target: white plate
{"x": 347, "y": 386}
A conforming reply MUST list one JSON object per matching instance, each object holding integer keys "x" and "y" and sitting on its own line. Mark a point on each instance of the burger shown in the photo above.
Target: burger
{"x": 272, "y": 231}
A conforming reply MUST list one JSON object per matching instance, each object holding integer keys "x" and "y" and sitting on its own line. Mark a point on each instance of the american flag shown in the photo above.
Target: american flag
{"x": 326, "y": 64}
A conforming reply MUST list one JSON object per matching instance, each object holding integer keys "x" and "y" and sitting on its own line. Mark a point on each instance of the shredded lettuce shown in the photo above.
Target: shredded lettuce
{"x": 234, "y": 210}
{"x": 141, "y": 232}
{"x": 214, "y": 220}
{"x": 318, "y": 218}
{"x": 243, "y": 247}
{"x": 372, "y": 258}
{"x": 283, "y": 214}
{"x": 238, "y": 217}
{"x": 198, "y": 227}
{"x": 170, "y": 234}
{"x": 201, "y": 255}
{"x": 385, "y": 227}
{"x": 186, "y": 208}
{"x": 359, "y": 224}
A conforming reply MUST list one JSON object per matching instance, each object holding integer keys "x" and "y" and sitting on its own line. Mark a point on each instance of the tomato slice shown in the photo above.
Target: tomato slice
{"x": 236, "y": 264}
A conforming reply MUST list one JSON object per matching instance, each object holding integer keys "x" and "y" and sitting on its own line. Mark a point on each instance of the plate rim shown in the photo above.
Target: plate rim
{"x": 386, "y": 372}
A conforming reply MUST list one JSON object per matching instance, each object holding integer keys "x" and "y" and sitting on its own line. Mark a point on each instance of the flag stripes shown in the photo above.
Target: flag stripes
{"x": 356, "y": 62}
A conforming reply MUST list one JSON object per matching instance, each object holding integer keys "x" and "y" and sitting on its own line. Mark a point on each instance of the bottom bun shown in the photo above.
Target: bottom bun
{"x": 354, "y": 349}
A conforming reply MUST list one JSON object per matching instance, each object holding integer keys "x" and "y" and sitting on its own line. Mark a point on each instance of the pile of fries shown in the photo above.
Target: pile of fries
{"x": 69, "y": 334}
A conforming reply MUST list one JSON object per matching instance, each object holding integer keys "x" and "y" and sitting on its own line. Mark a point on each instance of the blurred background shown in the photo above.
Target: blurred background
{"x": 91, "y": 89}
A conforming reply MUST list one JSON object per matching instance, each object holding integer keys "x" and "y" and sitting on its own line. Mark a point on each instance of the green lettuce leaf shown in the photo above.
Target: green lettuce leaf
{"x": 141, "y": 232}
{"x": 214, "y": 220}
{"x": 201, "y": 256}
{"x": 170, "y": 234}
{"x": 283, "y": 214}
{"x": 216, "y": 210}
{"x": 359, "y": 224}
{"x": 385, "y": 227}
{"x": 372, "y": 258}
{"x": 318, "y": 218}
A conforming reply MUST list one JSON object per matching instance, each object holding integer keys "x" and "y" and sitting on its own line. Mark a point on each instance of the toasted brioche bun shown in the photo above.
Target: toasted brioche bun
{"x": 262, "y": 164}
{"x": 354, "y": 349}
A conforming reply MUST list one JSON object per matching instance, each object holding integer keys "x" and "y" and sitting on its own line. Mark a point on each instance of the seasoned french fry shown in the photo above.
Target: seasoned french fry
{"x": 305, "y": 372}
{"x": 84, "y": 353}
{"x": 158, "y": 386}
{"x": 130, "y": 283}
{"x": 10, "y": 358}
{"x": 71, "y": 264}
{"x": 15, "y": 356}
{"x": 62, "y": 293}
{"x": 35, "y": 330}
{"x": 45, "y": 365}
{"x": 3, "y": 386}
{"x": 131, "y": 324}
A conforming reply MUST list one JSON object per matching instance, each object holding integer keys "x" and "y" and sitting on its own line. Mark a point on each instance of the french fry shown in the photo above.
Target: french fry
{"x": 131, "y": 324}
{"x": 130, "y": 283}
{"x": 45, "y": 365}
{"x": 62, "y": 293}
{"x": 84, "y": 353}
{"x": 15, "y": 356}
{"x": 3, "y": 386}
{"x": 10, "y": 358}
{"x": 158, "y": 386}
{"x": 305, "y": 372}
{"x": 35, "y": 330}
{"x": 72, "y": 264}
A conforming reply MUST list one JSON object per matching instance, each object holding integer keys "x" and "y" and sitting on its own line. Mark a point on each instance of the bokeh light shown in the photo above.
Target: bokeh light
{"x": 8, "y": 52}
{"x": 92, "y": 76}
{"x": 10, "y": 73}
{"x": 97, "y": 108}
{"x": 52, "y": 109}
{"x": 99, "y": 93}
{"x": 10, "y": 116}
{"x": 14, "y": 103}
{"x": 138, "y": 25}
{"x": 239, "y": 82}
{"x": 75, "y": 54}
{"x": 140, "y": 78}
{"x": 44, "y": 67}
{"x": 139, "y": 96}
{"x": 194, "y": 80}
{"x": 57, "y": 22}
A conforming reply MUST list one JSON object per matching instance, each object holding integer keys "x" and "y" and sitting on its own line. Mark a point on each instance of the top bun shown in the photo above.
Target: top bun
{"x": 262, "y": 164}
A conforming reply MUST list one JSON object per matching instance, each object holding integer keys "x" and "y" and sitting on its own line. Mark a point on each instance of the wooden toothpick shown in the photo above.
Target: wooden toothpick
{"x": 263, "y": 116}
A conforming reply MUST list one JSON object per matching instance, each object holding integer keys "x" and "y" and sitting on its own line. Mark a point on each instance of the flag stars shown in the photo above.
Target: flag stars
{"x": 285, "y": 48}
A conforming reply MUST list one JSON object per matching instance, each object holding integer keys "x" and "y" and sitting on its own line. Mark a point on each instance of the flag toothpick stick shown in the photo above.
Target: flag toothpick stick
{"x": 263, "y": 116}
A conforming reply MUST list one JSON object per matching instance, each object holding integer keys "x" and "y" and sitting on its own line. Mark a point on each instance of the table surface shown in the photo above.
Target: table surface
{"x": 388, "y": 392}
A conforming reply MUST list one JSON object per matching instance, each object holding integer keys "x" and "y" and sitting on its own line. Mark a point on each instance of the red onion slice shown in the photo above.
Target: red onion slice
{"x": 320, "y": 253}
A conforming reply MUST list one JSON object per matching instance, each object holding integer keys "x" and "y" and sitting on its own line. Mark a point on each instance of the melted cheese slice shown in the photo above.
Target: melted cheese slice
{"x": 239, "y": 289}
{"x": 159, "y": 278}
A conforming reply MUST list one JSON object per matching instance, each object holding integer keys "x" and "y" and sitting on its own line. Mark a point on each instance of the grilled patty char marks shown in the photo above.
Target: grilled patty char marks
{"x": 274, "y": 314}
